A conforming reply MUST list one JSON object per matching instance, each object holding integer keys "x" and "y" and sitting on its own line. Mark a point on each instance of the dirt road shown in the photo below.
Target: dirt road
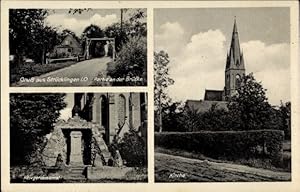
{"x": 172, "y": 168}
{"x": 79, "y": 74}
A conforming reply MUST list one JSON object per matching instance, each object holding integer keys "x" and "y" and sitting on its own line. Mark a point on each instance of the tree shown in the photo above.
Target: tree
{"x": 45, "y": 40}
{"x": 161, "y": 83}
{"x": 121, "y": 36}
{"x": 250, "y": 105}
{"x": 74, "y": 11}
{"x": 28, "y": 34}
{"x": 134, "y": 25}
{"x": 172, "y": 117}
{"x": 96, "y": 48}
{"x": 93, "y": 31}
{"x": 138, "y": 24}
{"x": 285, "y": 112}
{"x": 32, "y": 116}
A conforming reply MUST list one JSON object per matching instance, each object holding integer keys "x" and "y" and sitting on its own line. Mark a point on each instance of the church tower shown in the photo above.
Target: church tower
{"x": 235, "y": 68}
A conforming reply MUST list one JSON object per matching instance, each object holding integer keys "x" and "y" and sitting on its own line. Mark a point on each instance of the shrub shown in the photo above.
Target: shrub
{"x": 131, "y": 62}
{"x": 228, "y": 145}
{"x": 133, "y": 149}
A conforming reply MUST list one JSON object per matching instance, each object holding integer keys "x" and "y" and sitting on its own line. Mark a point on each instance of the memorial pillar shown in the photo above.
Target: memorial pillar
{"x": 76, "y": 154}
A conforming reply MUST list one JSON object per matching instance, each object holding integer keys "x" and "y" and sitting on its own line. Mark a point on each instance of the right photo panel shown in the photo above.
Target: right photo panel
{"x": 222, "y": 94}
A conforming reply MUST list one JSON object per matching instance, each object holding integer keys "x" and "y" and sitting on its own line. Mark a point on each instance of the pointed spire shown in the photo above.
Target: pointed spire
{"x": 235, "y": 51}
{"x": 234, "y": 26}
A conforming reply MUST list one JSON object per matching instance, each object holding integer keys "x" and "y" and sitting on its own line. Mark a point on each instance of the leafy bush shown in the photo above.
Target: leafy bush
{"x": 226, "y": 144}
{"x": 131, "y": 62}
{"x": 133, "y": 149}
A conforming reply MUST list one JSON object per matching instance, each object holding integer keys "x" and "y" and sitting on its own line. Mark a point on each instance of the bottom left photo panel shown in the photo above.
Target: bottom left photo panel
{"x": 78, "y": 137}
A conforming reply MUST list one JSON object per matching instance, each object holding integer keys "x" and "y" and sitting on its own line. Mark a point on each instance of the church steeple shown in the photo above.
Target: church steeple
{"x": 235, "y": 58}
{"x": 235, "y": 67}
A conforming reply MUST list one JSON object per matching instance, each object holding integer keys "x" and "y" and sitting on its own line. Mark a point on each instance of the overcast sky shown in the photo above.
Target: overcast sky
{"x": 197, "y": 41}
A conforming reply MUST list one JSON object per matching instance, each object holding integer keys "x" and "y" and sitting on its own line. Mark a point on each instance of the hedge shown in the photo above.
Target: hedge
{"x": 228, "y": 145}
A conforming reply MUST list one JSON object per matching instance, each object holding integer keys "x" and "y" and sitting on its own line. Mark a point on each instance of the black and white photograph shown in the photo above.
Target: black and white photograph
{"x": 150, "y": 95}
{"x": 222, "y": 95}
{"x": 78, "y": 137}
{"x": 77, "y": 47}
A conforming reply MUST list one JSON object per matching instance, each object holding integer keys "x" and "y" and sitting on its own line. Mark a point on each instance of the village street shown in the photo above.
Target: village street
{"x": 79, "y": 74}
{"x": 173, "y": 168}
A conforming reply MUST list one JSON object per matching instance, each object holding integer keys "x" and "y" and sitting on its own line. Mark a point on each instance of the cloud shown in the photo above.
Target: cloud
{"x": 64, "y": 21}
{"x": 170, "y": 39}
{"x": 205, "y": 52}
{"x": 270, "y": 65}
{"x": 266, "y": 57}
{"x": 200, "y": 63}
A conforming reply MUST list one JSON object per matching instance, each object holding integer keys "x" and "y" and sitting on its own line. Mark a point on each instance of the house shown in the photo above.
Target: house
{"x": 69, "y": 47}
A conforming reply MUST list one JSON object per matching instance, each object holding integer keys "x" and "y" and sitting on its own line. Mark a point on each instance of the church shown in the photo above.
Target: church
{"x": 234, "y": 71}
{"x": 116, "y": 113}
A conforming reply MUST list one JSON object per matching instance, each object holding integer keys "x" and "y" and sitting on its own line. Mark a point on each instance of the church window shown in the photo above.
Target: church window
{"x": 237, "y": 81}
{"x": 104, "y": 111}
{"x": 121, "y": 110}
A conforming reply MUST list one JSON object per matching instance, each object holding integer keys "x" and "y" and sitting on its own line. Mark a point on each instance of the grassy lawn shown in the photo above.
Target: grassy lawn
{"x": 31, "y": 70}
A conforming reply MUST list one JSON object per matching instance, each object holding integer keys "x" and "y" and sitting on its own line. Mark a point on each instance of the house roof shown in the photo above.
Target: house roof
{"x": 203, "y": 105}
{"x": 213, "y": 95}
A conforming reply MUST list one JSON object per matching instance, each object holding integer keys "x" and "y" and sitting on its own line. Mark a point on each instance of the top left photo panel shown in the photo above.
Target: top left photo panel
{"x": 77, "y": 47}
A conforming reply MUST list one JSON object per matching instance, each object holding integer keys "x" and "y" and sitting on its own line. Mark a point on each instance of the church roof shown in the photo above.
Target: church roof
{"x": 203, "y": 106}
{"x": 213, "y": 95}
